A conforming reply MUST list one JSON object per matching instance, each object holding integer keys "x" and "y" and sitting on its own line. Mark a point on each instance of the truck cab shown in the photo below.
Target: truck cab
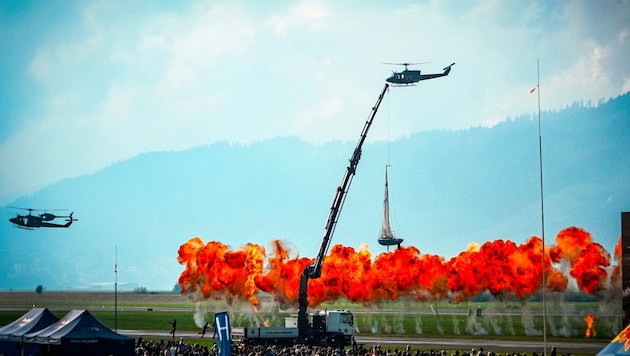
{"x": 337, "y": 325}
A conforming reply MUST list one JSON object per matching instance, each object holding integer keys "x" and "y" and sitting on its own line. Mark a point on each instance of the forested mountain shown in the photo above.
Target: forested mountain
{"x": 447, "y": 189}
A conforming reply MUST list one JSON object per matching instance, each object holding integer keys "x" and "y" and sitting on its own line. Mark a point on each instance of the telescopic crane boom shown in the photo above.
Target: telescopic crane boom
{"x": 315, "y": 270}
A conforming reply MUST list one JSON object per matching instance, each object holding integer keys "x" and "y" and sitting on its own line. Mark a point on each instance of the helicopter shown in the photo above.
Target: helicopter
{"x": 411, "y": 77}
{"x": 31, "y": 222}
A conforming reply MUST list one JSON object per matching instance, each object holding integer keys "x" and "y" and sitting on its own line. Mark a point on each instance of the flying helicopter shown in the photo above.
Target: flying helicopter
{"x": 30, "y": 221}
{"x": 411, "y": 77}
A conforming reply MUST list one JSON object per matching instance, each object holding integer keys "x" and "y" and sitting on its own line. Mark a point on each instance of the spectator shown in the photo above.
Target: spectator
{"x": 173, "y": 327}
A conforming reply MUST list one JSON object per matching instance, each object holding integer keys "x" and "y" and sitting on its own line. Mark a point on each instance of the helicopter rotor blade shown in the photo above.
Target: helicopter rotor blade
{"x": 28, "y": 209}
{"x": 406, "y": 63}
{"x": 31, "y": 209}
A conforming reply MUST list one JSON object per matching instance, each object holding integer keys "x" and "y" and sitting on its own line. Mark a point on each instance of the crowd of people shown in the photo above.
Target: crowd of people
{"x": 170, "y": 348}
{"x": 182, "y": 348}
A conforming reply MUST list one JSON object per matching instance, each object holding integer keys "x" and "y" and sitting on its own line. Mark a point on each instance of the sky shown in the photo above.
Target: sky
{"x": 85, "y": 84}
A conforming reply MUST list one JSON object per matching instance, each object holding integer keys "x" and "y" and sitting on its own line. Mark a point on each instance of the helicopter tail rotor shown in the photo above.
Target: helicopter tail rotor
{"x": 69, "y": 221}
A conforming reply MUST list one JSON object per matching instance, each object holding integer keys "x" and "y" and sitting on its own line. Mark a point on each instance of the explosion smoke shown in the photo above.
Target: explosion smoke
{"x": 502, "y": 268}
{"x": 199, "y": 315}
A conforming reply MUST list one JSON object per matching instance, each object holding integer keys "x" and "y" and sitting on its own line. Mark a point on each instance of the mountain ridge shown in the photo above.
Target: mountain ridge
{"x": 447, "y": 189}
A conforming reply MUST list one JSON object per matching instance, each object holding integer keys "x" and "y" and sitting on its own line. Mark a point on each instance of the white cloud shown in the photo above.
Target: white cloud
{"x": 41, "y": 66}
{"x": 197, "y": 104}
{"x": 118, "y": 106}
{"x": 309, "y": 15}
{"x": 187, "y": 75}
{"x": 218, "y": 33}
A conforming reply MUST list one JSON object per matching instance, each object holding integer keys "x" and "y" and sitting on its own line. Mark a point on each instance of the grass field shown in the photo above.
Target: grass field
{"x": 153, "y": 311}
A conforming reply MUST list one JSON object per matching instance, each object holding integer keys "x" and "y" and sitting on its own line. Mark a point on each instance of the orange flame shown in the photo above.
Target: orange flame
{"x": 590, "y": 328}
{"x": 501, "y": 267}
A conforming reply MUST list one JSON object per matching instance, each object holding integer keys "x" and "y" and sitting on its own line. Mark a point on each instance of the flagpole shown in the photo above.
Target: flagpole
{"x": 542, "y": 214}
{"x": 116, "y": 290}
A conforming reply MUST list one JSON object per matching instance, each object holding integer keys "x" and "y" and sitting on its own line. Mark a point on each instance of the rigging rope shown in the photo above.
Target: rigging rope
{"x": 388, "y": 138}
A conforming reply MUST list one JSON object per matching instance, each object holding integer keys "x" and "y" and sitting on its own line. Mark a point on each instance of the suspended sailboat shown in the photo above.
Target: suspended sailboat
{"x": 387, "y": 237}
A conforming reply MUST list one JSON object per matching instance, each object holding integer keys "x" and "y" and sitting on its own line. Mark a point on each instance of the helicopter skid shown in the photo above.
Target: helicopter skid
{"x": 24, "y": 227}
{"x": 404, "y": 85}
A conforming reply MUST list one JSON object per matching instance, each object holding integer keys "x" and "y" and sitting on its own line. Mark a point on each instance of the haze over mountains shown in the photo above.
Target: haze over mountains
{"x": 447, "y": 189}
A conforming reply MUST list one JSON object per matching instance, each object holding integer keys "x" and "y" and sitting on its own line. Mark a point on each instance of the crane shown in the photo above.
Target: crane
{"x": 315, "y": 270}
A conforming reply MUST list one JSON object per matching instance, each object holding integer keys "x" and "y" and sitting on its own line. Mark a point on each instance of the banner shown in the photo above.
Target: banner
{"x": 222, "y": 329}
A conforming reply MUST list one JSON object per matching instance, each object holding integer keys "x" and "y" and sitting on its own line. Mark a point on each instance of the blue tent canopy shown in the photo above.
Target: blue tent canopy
{"x": 11, "y": 335}
{"x": 80, "y": 333}
{"x": 34, "y": 320}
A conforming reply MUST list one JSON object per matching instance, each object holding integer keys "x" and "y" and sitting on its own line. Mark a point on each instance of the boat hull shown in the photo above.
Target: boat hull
{"x": 390, "y": 241}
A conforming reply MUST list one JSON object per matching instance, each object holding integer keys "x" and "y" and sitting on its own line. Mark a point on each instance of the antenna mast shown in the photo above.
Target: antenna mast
{"x": 542, "y": 214}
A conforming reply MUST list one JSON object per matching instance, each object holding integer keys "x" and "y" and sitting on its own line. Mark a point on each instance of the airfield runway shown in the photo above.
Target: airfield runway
{"x": 23, "y": 301}
{"x": 433, "y": 343}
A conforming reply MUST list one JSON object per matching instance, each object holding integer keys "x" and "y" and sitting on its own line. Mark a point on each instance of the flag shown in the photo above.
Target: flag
{"x": 533, "y": 89}
{"x": 222, "y": 329}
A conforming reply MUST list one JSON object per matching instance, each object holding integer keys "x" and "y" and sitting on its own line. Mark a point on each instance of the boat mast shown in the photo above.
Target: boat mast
{"x": 386, "y": 227}
{"x": 387, "y": 237}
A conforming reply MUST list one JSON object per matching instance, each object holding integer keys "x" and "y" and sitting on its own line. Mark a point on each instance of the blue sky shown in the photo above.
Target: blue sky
{"x": 85, "y": 84}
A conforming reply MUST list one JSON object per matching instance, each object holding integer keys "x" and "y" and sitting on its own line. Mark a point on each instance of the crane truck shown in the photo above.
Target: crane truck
{"x": 329, "y": 327}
